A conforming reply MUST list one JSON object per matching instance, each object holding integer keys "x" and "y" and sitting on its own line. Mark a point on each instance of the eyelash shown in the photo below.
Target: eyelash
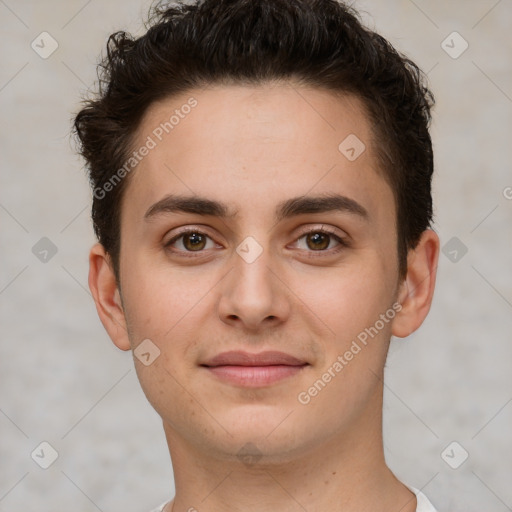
{"x": 343, "y": 243}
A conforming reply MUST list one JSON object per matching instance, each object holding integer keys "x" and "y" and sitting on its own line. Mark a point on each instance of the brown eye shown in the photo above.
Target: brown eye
{"x": 190, "y": 241}
{"x": 194, "y": 241}
{"x": 321, "y": 241}
{"x": 318, "y": 241}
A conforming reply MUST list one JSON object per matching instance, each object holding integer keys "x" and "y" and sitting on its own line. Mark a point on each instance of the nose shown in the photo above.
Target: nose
{"x": 253, "y": 295}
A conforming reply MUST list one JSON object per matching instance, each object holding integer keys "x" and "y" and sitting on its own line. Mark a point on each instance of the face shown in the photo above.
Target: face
{"x": 281, "y": 241}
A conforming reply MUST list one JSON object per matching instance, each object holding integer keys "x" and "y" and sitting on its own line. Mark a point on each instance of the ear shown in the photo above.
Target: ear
{"x": 417, "y": 289}
{"x": 103, "y": 286}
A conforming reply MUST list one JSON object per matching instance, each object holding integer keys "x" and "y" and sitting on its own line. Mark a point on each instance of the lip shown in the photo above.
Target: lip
{"x": 254, "y": 370}
{"x": 242, "y": 358}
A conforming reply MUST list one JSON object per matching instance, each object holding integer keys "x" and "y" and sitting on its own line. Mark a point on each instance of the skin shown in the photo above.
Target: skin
{"x": 252, "y": 148}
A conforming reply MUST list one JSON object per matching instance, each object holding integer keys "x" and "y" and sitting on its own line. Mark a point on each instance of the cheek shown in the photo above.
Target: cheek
{"x": 354, "y": 344}
{"x": 354, "y": 341}
{"x": 163, "y": 307}
{"x": 347, "y": 299}
{"x": 160, "y": 301}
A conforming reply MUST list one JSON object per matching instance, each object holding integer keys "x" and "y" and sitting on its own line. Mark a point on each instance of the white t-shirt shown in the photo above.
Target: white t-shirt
{"x": 423, "y": 504}
{"x": 160, "y": 508}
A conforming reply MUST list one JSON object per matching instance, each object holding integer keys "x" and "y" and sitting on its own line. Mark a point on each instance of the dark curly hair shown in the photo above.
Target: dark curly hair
{"x": 319, "y": 43}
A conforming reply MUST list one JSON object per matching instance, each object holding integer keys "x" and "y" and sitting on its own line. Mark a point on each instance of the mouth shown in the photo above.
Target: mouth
{"x": 254, "y": 370}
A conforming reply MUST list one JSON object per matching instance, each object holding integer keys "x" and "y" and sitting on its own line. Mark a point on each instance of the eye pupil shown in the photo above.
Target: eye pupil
{"x": 318, "y": 238}
{"x": 193, "y": 241}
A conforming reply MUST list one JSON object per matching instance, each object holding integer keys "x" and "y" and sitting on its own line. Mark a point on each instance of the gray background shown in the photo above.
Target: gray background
{"x": 64, "y": 382}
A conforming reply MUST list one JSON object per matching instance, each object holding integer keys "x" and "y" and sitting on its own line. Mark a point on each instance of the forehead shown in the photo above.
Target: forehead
{"x": 257, "y": 144}
{"x": 270, "y": 112}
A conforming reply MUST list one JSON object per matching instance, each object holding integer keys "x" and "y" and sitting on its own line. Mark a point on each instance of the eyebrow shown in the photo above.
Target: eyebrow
{"x": 286, "y": 209}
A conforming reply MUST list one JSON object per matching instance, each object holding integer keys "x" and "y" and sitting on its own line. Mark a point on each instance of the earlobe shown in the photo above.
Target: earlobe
{"x": 417, "y": 290}
{"x": 103, "y": 286}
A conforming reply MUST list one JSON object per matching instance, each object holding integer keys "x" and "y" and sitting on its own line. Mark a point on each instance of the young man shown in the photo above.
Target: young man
{"x": 261, "y": 194}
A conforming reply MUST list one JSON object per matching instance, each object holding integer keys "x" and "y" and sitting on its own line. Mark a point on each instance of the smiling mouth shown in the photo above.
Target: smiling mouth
{"x": 254, "y": 370}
